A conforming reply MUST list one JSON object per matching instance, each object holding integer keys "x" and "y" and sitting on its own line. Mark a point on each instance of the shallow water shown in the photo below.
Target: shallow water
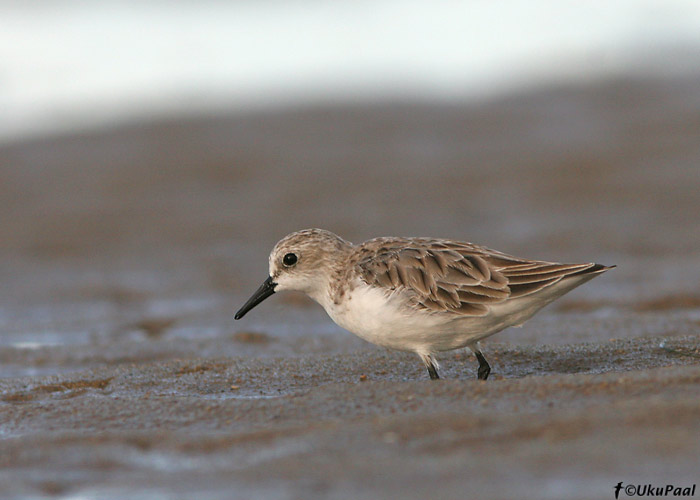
{"x": 125, "y": 254}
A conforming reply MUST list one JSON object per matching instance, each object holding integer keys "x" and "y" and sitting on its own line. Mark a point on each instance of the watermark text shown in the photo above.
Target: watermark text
{"x": 654, "y": 490}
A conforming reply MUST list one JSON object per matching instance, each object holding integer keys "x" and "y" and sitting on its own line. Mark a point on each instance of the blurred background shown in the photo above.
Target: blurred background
{"x": 151, "y": 153}
{"x": 74, "y": 65}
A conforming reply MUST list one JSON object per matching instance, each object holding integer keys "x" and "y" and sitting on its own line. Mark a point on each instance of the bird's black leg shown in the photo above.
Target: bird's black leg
{"x": 484, "y": 368}
{"x": 431, "y": 365}
{"x": 432, "y": 372}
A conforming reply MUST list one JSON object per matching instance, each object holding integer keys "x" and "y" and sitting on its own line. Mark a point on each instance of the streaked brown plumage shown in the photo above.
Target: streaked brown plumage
{"x": 457, "y": 277}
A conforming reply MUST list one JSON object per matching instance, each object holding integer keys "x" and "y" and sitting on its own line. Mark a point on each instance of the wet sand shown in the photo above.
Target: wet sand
{"x": 125, "y": 252}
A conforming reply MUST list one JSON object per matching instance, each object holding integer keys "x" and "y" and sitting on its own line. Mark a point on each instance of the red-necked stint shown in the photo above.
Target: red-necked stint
{"x": 423, "y": 295}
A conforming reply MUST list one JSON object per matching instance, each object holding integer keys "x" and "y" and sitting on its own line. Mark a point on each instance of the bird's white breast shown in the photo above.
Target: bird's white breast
{"x": 386, "y": 319}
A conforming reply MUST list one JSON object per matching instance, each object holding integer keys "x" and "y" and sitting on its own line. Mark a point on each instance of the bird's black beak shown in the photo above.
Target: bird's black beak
{"x": 265, "y": 290}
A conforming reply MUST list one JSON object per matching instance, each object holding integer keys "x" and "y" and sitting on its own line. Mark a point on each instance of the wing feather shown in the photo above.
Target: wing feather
{"x": 416, "y": 280}
{"x": 545, "y": 268}
{"x": 480, "y": 269}
{"x": 434, "y": 265}
{"x": 393, "y": 276}
{"x": 460, "y": 276}
{"x": 447, "y": 297}
{"x": 384, "y": 280}
{"x": 523, "y": 289}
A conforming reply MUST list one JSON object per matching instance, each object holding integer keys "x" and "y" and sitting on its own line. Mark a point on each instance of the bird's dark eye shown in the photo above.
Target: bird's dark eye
{"x": 289, "y": 260}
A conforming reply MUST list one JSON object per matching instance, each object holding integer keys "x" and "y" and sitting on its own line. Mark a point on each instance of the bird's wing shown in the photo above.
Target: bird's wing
{"x": 457, "y": 277}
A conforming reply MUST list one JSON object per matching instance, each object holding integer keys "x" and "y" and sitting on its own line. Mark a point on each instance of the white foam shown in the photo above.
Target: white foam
{"x": 70, "y": 64}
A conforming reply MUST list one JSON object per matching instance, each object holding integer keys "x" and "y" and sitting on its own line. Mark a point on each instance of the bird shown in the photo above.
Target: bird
{"x": 415, "y": 294}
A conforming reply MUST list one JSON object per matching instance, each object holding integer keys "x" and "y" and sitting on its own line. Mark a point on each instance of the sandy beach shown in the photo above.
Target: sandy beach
{"x": 124, "y": 253}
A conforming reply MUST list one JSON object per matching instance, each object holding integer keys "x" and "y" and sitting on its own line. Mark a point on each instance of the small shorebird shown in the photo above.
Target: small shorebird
{"x": 422, "y": 295}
